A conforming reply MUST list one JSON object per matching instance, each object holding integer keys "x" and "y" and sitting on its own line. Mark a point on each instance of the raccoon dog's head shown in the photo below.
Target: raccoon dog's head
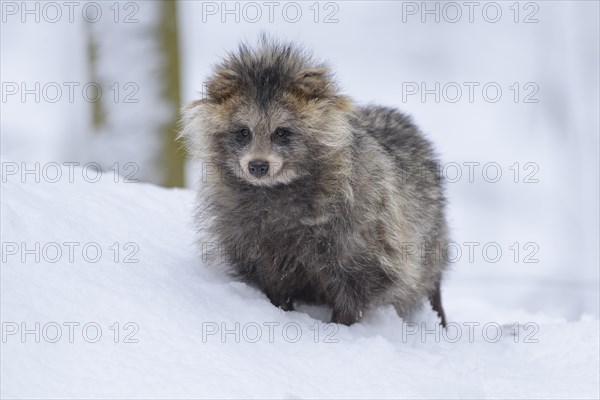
{"x": 270, "y": 116}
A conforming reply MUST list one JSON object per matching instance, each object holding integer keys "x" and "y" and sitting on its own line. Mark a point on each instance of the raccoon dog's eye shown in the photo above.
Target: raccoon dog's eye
{"x": 244, "y": 132}
{"x": 243, "y": 135}
{"x": 281, "y": 132}
{"x": 281, "y": 136}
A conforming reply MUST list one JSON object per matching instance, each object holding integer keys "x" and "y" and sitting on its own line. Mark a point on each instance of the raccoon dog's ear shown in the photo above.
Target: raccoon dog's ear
{"x": 222, "y": 86}
{"x": 314, "y": 83}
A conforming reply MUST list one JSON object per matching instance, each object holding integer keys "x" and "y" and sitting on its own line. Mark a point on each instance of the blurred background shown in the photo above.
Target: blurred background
{"x": 507, "y": 91}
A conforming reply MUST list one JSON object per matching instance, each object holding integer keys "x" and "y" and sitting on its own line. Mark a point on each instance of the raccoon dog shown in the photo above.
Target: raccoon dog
{"x": 311, "y": 197}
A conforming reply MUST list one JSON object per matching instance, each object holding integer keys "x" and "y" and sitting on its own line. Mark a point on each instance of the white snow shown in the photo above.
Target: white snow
{"x": 178, "y": 309}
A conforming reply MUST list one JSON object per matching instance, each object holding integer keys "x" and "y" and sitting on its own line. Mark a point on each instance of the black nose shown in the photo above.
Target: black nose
{"x": 258, "y": 168}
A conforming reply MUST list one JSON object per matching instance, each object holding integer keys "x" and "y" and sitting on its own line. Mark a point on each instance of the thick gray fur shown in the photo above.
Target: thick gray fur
{"x": 352, "y": 210}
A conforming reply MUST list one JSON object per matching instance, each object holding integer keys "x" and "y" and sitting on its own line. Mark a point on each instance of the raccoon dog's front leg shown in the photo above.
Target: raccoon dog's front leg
{"x": 345, "y": 316}
{"x": 285, "y": 302}
{"x": 353, "y": 290}
{"x": 346, "y": 302}
{"x": 251, "y": 271}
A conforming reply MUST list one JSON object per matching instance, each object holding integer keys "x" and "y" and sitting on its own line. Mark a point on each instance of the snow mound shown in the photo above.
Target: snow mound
{"x": 104, "y": 294}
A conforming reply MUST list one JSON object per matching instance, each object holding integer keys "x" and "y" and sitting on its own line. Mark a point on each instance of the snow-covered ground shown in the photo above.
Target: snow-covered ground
{"x": 119, "y": 304}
